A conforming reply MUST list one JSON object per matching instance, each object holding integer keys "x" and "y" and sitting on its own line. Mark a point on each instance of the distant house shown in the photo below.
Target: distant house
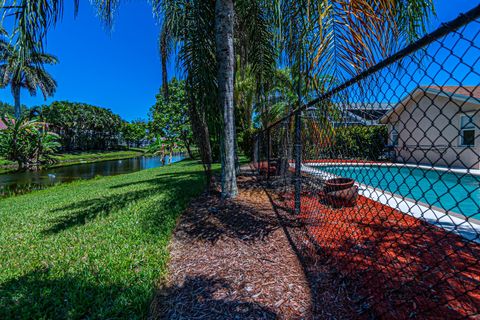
{"x": 3, "y": 126}
{"x": 437, "y": 126}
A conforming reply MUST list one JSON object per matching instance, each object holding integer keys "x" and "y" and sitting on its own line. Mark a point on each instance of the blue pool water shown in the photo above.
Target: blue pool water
{"x": 458, "y": 193}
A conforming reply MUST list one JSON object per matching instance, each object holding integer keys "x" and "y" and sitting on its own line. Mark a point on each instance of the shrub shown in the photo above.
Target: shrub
{"x": 360, "y": 142}
{"x": 28, "y": 143}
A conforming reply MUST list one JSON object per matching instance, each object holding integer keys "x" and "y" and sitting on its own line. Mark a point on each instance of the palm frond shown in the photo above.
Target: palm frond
{"x": 342, "y": 37}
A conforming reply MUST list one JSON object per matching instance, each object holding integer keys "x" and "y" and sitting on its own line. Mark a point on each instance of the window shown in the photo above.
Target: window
{"x": 467, "y": 131}
{"x": 394, "y": 137}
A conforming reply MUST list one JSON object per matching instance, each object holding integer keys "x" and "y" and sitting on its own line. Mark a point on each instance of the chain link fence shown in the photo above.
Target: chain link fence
{"x": 383, "y": 172}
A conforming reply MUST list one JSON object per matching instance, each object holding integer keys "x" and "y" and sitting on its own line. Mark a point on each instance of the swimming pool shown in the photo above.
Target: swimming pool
{"x": 459, "y": 193}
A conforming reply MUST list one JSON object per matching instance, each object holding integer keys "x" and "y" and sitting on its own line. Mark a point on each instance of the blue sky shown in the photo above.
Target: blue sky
{"x": 120, "y": 69}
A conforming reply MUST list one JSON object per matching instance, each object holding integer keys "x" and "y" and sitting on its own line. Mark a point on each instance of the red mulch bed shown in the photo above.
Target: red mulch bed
{"x": 403, "y": 267}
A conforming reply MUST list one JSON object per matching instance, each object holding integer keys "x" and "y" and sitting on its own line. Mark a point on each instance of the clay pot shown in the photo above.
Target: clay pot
{"x": 338, "y": 184}
{"x": 264, "y": 168}
{"x": 342, "y": 198}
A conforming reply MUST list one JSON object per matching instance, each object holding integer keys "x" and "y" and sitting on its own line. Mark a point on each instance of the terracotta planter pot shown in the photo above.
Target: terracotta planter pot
{"x": 342, "y": 198}
{"x": 338, "y": 184}
{"x": 264, "y": 168}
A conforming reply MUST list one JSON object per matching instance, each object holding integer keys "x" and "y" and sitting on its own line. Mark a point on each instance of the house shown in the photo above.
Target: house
{"x": 365, "y": 113}
{"x": 437, "y": 125}
{"x": 354, "y": 114}
{"x": 3, "y": 126}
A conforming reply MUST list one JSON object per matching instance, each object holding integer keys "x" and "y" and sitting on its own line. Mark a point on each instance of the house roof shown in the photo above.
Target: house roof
{"x": 2, "y": 125}
{"x": 460, "y": 93}
{"x": 467, "y": 91}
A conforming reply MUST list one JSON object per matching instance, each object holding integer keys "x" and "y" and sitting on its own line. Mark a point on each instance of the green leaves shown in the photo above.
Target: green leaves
{"x": 28, "y": 142}
{"x": 343, "y": 37}
{"x": 134, "y": 132}
{"x": 169, "y": 117}
{"x": 360, "y": 142}
{"x": 26, "y": 72}
{"x": 82, "y": 126}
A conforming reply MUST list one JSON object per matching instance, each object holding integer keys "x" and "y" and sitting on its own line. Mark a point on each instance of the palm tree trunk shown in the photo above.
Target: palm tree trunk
{"x": 164, "y": 57}
{"x": 16, "y": 97}
{"x": 202, "y": 136}
{"x": 224, "y": 21}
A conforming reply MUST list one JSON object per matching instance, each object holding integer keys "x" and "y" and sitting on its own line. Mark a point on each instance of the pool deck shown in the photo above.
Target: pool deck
{"x": 468, "y": 228}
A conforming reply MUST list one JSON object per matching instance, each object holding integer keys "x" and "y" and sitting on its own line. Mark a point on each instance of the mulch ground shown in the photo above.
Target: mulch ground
{"x": 402, "y": 267}
{"x": 233, "y": 260}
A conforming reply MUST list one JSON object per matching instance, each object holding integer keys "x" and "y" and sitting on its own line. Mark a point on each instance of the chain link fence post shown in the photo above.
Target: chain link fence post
{"x": 268, "y": 154}
{"x": 298, "y": 160}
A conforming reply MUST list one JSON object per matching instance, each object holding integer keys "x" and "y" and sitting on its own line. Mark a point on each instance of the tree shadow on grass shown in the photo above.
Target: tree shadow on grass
{"x": 205, "y": 298}
{"x": 177, "y": 188}
{"x": 198, "y": 174}
{"x": 39, "y": 295}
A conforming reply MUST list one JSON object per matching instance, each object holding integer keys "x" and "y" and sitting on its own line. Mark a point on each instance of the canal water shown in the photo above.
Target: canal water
{"x": 22, "y": 182}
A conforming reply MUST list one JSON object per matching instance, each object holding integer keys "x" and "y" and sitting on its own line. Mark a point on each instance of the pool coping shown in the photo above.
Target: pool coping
{"x": 468, "y": 228}
{"x": 474, "y": 172}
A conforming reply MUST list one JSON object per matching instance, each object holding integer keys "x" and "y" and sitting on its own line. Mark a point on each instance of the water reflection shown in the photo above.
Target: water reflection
{"x": 22, "y": 182}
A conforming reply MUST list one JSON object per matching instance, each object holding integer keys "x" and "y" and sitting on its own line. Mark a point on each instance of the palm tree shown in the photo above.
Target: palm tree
{"x": 199, "y": 29}
{"x": 165, "y": 48}
{"x": 28, "y": 142}
{"x": 25, "y": 73}
{"x": 334, "y": 37}
{"x": 340, "y": 38}
{"x": 224, "y": 25}
{"x": 3, "y": 40}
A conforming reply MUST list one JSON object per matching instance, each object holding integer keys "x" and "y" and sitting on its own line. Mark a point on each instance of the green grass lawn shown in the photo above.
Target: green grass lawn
{"x": 91, "y": 249}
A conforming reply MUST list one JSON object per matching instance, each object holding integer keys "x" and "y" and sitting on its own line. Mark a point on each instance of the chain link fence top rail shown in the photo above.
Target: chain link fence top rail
{"x": 384, "y": 174}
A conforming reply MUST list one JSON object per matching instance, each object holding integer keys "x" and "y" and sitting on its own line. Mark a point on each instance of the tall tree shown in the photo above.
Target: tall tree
{"x": 334, "y": 37}
{"x": 164, "y": 44}
{"x": 169, "y": 118}
{"x": 25, "y": 73}
{"x": 224, "y": 22}
{"x": 191, "y": 28}
{"x": 193, "y": 25}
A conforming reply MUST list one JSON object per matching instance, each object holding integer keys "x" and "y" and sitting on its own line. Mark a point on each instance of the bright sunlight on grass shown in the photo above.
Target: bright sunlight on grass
{"x": 91, "y": 249}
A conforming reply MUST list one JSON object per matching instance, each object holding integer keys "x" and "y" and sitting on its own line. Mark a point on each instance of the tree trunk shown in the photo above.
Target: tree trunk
{"x": 202, "y": 136}
{"x": 164, "y": 58}
{"x": 16, "y": 97}
{"x": 224, "y": 21}
{"x": 189, "y": 151}
{"x": 186, "y": 142}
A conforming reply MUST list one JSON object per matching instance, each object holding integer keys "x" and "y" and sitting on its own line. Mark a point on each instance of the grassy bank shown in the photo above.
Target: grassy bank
{"x": 67, "y": 159}
{"x": 91, "y": 249}
{"x": 86, "y": 157}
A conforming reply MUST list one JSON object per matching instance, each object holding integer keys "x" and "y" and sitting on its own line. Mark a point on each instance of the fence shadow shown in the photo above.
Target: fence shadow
{"x": 211, "y": 219}
{"x": 389, "y": 264}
